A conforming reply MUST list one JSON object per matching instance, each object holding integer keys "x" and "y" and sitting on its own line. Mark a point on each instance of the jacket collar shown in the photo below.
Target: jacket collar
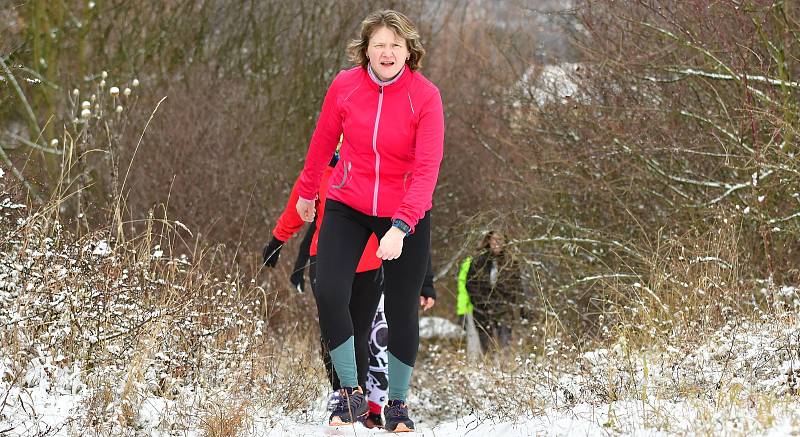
{"x": 389, "y": 85}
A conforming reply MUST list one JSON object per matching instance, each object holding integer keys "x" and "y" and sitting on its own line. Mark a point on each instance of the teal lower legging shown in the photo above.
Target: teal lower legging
{"x": 366, "y": 294}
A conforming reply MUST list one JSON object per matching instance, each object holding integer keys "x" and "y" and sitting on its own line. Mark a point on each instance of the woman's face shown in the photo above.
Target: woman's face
{"x": 496, "y": 243}
{"x": 387, "y": 53}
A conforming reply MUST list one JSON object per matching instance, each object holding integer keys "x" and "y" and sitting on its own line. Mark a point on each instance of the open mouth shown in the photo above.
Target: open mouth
{"x": 387, "y": 63}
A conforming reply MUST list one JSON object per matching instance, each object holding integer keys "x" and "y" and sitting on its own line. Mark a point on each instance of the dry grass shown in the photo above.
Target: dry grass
{"x": 227, "y": 420}
{"x": 174, "y": 333}
{"x": 125, "y": 319}
{"x": 687, "y": 286}
{"x": 142, "y": 327}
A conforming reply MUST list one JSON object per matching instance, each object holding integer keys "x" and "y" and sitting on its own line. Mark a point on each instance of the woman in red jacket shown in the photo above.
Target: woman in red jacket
{"x": 369, "y": 324}
{"x": 392, "y": 120}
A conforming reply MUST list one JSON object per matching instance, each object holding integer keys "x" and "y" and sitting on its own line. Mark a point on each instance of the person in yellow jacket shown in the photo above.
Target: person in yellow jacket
{"x": 489, "y": 288}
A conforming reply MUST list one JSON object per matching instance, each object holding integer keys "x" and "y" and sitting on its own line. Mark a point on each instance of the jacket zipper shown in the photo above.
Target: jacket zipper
{"x": 377, "y": 155}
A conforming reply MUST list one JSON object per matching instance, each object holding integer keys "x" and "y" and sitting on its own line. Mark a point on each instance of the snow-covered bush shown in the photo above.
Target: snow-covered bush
{"x": 115, "y": 335}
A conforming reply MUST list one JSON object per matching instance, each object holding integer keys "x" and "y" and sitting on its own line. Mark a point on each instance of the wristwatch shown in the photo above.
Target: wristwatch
{"x": 403, "y": 226}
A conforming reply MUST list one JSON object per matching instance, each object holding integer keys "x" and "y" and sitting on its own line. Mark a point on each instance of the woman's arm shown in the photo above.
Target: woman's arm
{"x": 288, "y": 224}
{"x": 323, "y": 143}
{"x": 427, "y": 298}
{"x": 290, "y": 221}
{"x": 427, "y": 158}
{"x": 428, "y": 290}
{"x": 463, "y": 304}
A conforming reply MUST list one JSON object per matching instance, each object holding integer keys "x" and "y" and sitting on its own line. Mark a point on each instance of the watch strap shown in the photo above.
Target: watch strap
{"x": 403, "y": 226}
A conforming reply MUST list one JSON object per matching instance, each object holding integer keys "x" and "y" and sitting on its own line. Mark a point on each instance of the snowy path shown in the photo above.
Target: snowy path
{"x": 652, "y": 418}
{"x": 468, "y": 426}
{"x": 627, "y": 418}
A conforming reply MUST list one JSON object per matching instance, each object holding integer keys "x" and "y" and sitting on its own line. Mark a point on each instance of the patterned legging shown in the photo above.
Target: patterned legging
{"x": 377, "y": 381}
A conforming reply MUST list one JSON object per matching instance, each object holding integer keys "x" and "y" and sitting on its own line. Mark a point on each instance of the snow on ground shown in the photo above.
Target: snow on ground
{"x": 660, "y": 418}
{"x": 86, "y": 344}
{"x": 438, "y": 327}
{"x": 738, "y": 382}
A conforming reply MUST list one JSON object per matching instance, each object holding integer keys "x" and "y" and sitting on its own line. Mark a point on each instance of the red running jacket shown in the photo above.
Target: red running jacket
{"x": 392, "y": 146}
{"x": 290, "y": 222}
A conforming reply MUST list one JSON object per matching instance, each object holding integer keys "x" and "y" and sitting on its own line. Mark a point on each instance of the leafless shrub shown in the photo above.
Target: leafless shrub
{"x": 668, "y": 123}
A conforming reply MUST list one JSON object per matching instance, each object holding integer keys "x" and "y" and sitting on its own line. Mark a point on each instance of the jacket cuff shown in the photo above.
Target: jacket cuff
{"x": 277, "y": 234}
{"x": 412, "y": 223}
{"x": 277, "y": 240}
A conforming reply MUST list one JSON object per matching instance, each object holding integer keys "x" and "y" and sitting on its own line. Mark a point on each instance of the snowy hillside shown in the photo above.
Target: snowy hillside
{"x": 120, "y": 340}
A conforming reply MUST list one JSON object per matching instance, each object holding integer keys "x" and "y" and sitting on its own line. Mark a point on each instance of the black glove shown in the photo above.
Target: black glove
{"x": 298, "y": 279}
{"x": 271, "y": 252}
{"x": 427, "y": 284}
{"x": 428, "y": 291}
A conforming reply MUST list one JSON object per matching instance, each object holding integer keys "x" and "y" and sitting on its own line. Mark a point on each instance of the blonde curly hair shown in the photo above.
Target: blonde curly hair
{"x": 402, "y": 27}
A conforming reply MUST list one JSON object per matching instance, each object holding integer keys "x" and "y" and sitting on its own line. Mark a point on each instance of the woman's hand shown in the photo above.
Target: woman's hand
{"x": 426, "y": 302}
{"x": 391, "y": 245}
{"x": 306, "y": 210}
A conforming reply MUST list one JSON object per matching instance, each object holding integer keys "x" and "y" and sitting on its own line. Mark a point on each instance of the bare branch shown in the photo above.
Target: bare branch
{"x": 21, "y": 177}
{"x": 36, "y": 146}
{"x": 32, "y": 122}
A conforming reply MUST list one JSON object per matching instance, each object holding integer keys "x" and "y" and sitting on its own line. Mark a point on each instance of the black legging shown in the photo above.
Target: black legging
{"x": 342, "y": 238}
{"x": 366, "y": 294}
